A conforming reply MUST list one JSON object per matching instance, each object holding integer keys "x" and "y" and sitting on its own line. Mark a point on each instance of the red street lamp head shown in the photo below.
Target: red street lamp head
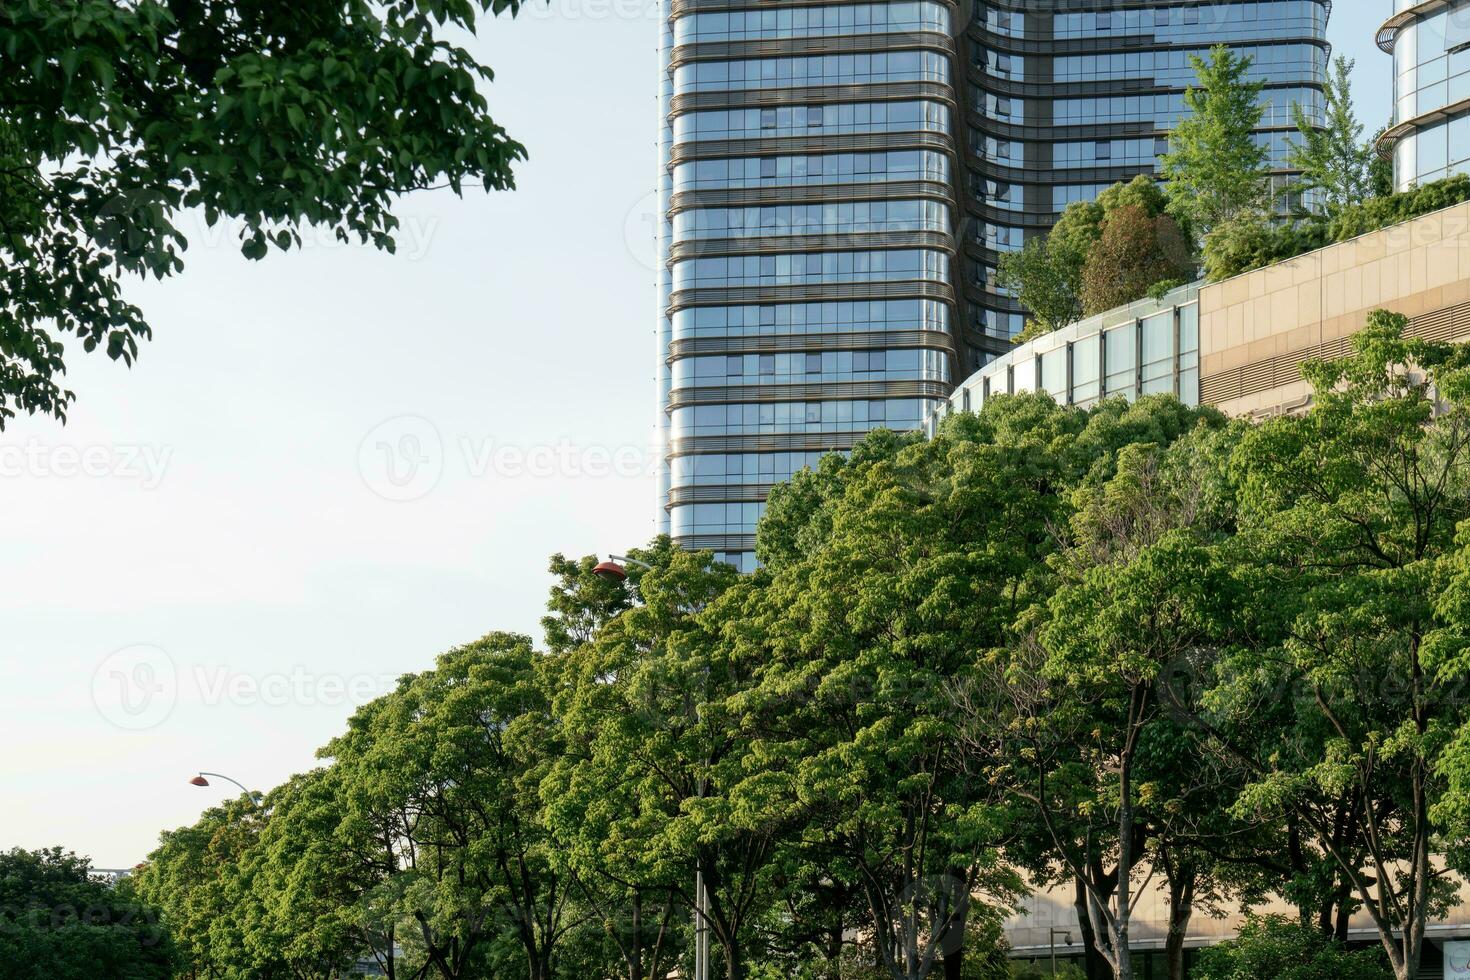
{"x": 610, "y": 571}
{"x": 198, "y": 781}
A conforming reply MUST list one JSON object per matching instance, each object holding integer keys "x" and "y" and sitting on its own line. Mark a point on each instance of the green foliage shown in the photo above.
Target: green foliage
{"x": 1215, "y": 171}
{"x": 58, "y": 922}
{"x": 276, "y": 116}
{"x": 1123, "y": 647}
{"x": 1036, "y": 971}
{"x": 1135, "y": 253}
{"x": 1081, "y": 267}
{"x": 1046, "y": 275}
{"x": 1333, "y": 159}
{"x": 1248, "y": 245}
{"x": 1271, "y": 948}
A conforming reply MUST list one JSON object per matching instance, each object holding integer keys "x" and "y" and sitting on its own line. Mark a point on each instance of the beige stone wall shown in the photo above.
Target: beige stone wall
{"x": 1415, "y": 268}
{"x": 1030, "y": 930}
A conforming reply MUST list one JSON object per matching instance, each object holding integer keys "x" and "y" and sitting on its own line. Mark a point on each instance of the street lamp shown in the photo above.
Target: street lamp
{"x": 612, "y": 570}
{"x": 1066, "y": 938}
{"x": 199, "y": 780}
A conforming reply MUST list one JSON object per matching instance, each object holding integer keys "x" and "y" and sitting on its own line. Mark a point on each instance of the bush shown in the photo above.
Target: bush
{"x": 1273, "y": 948}
{"x": 1038, "y": 971}
{"x": 1249, "y": 244}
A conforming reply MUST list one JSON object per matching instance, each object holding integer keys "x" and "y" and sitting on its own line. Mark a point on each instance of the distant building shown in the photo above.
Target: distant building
{"x": 1239, "y": 344}
{"x": 838, "y": 181}
{"x": 1430, "y": 135}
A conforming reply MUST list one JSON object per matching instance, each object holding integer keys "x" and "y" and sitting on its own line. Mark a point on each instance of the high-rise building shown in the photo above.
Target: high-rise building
{"x": 1430, "y": 135}
{"x": 839, "y": 180}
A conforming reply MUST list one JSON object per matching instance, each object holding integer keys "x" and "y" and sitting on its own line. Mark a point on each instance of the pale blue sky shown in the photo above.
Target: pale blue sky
{"x": 221, "y": 526}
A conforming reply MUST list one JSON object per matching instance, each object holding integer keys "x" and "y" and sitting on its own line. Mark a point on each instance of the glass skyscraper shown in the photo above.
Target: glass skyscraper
{"x": 1430, "y": 135}
{"x": 839, "y": 180}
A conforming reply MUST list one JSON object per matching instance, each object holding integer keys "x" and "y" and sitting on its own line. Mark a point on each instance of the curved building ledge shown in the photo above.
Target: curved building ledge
{"x": 815, "y": 95}
{"x": 1388, "y": 34}
{"x": 931, "y": 190}
{"x": 1391, "y": 136}
{"x": 718, "y": 493}
{"x": 682, "y": 7}
{"x": 803, "y": 46}
{"x": 764, "y": 442}
{"x": 715, "y": 542}
{"x": 830, "y": 391}
{"x": 785, "y": 343}
{"x": 794, "y": 244}
{"x": 794, "y": 145}
{"x": 808, "y": 293}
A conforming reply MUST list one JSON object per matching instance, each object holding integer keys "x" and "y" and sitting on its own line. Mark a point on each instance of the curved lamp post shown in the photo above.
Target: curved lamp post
{"x": 199, "y": 780}
{"x": 613, "y": 571}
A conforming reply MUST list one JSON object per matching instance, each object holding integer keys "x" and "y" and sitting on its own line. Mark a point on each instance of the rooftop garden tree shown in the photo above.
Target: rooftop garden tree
{"x": 1334, "y": 161}
{"x": 1216, "y": 172}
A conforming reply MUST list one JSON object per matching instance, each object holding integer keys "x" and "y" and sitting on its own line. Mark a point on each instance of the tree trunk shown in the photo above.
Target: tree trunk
{"x": 1181, "y": 908}
{"x": 1093, "y": 963}
{"x": 635, "y": 942}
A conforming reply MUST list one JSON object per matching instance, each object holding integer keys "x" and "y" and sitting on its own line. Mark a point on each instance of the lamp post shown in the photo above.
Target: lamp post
{"x": 1052, "y": 936}
{"x": 199, "y": 780}
{"x": 613, "y": 571}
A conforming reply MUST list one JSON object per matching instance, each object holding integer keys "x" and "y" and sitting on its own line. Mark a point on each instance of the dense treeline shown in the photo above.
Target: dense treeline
{"x": 1132, "y": 647}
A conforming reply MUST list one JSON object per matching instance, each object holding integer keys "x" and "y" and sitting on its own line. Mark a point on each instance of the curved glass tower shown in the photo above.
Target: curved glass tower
{"x": 1067, "y": 98}
{"x": 810, "y": 242}
{"x": 840, "y": 178}
{"x": 1430, "y": 135}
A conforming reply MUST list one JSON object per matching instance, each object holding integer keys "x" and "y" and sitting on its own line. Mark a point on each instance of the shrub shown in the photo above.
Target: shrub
{"x": 1273, "y": 948}
{"x": 1254, "y": 243}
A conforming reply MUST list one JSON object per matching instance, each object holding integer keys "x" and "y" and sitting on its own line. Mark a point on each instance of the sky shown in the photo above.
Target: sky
{"x": 331, "y": 466}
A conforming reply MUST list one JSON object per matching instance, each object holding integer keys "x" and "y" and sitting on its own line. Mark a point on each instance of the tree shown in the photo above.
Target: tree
{"x": 193, "y": 878}
{"x": 1137, "y": 591}
{"x": 63, "y": 923}
{"x": 448, "y": 765}
{"x": 1215, "y": 171}
{"x": 651, "y": 795}
{"x": 1137, "y": 251}
{"x": 313, "y": 876}
{"x": 921, "y": 558}
{"x": 1333, "y": 159}
{"x": 1348, "y": 522}
{"x": 116, "y": 117}
{"x": 1080, "y": 269}
{"x": 1046, "y": 275}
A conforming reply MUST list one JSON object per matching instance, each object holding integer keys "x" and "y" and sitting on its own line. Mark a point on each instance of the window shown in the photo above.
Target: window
{"x": 1103, "y": 151}
{"x": 734, "y": 365}
{"x": 814, "y": 364}
{"x": 768, "y": 364}
{"x": 768, "y": 166}
{"x": 877, "y": 411}
{"x": 814, "y": 116}
{"x": 814, "y": 411}
{"x": 768, "y": 119}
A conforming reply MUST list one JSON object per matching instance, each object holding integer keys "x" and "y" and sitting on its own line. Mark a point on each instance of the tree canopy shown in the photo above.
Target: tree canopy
{"x": 279, "y": 117}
